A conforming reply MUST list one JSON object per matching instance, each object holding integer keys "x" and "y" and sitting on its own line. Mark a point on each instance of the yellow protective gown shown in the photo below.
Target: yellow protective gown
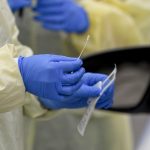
{"x": 13, "y": 98}
{"x": 114, "y": 24}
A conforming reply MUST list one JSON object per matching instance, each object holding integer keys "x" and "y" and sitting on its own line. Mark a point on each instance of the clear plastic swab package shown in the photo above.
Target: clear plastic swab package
{"x": 92, "y": 102}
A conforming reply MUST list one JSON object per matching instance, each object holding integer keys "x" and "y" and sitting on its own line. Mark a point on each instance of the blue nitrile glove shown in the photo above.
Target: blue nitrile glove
{"x": 106, "y": 100}
{"x": 17, "y": 4}
{"x": 80, "y": 98}
{"x": 62, "y": 15}
{"x": 51, "y": 76}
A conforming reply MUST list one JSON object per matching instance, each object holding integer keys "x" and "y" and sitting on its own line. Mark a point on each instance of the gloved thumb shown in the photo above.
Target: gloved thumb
{"x": 88, "y": 91}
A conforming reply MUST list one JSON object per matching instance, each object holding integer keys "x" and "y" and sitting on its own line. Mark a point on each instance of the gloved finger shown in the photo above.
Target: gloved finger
{"x": 25, "y": 3}
{"x": 58, "y": 58}
{"x": 109, "y": 93}
{"x": 48, "y": 10}
{"x": 20, "y": 5}
{"x": 89, "y": 91}
{"x": 82, "y": 96}
{"x": 42, "y": 3}
{"x": 85, "y": 92}
{"x": 92, "y": 78}
{"x": 74, "y": 77}
{"x": 50, "y": 18}
{"x": 107, "y": 97}
{"x": 69, "y": 90}
{"x": 71, "y": 66}
{"x": 96, "y": 78}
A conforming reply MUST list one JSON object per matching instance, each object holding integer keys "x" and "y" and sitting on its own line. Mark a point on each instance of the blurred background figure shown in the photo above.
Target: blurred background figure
{"x": 111, "y": 24}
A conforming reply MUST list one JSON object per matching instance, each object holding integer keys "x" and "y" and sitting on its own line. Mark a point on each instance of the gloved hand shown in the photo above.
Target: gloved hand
{"x": 80, "y": 98}
{"x": 62, "y": 15}
{"x": 51, "y": 76}
{"x": 17, "y": 4}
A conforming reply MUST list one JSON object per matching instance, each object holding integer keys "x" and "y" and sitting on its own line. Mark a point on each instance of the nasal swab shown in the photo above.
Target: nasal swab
{"x": 87, "y": 39}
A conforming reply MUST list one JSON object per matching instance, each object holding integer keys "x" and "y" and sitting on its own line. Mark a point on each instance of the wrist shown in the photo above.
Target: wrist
{"x": 20, "y": 65}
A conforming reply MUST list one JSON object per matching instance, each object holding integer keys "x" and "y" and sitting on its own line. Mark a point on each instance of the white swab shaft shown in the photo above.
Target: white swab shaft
{"x": 84, "y": 47}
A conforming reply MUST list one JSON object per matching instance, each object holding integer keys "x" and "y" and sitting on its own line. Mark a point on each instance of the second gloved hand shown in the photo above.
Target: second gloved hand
{"x": 62, "y": 15}
{"x": 80, "y": 98}
{"x": 17, "y": 4}
{"x": 51, "y": 76}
